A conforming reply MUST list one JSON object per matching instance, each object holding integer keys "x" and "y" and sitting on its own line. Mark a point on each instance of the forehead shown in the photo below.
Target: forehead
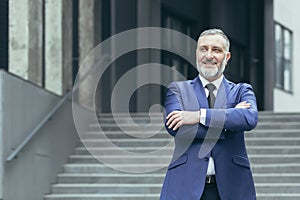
{"x": 212, "y": 40}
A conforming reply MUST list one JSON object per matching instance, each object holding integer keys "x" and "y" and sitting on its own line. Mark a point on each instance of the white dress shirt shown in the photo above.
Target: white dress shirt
{"x": 217, "y": 83}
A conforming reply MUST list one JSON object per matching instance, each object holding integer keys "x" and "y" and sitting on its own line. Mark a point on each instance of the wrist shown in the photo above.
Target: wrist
{"x": 198, "y": 116}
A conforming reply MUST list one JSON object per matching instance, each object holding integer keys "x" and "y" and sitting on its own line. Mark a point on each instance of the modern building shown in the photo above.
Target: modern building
{"x": 44, "y": 43}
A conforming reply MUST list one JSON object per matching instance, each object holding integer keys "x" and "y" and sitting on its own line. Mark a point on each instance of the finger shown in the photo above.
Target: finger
{"x": 178, "y": 125}
{"x": 171, "y": 119}
{"x": 174, "y": 122}
{"x": 244, "y": 106}
{"x": 243, "y": 103}
{"x": 169, "y": 115}
{"x": 172, "y": 113}
{"x": 170, "y": 122}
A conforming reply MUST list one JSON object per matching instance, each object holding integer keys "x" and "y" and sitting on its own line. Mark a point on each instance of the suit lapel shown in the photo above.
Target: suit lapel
{"x": 199, "y": 92}
{"x": 221, "y": 98}
{"x": 222, "y": 95}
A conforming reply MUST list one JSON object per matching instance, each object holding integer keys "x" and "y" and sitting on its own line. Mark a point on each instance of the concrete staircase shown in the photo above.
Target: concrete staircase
{"x": 273, "y": 147}
{"x": 274, "y": 152}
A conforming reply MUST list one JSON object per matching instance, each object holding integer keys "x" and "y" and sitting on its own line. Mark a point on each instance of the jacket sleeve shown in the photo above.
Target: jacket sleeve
{"x": 235, "y": 119}
{"x": 174, "y": 102}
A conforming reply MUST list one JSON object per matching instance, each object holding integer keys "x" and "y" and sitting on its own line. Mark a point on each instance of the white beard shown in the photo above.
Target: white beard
{"x": 211, "y": 72}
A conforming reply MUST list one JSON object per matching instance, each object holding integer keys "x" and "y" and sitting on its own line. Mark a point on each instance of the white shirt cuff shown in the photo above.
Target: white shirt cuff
{"x": 202, "y": 116}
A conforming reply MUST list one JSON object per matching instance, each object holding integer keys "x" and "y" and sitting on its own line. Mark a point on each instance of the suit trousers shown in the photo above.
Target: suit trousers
{"x": 210, "y": 192}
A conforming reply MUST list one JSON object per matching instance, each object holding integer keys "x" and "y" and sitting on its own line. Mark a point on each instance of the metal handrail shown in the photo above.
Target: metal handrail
{"x": 50, "y": 114}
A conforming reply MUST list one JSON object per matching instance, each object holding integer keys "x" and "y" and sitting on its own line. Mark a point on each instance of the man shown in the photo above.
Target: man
{"x": 214, "y": 164}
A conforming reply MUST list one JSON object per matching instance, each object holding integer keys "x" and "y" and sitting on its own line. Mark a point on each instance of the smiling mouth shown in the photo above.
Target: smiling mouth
{"x": 209, "y": 62}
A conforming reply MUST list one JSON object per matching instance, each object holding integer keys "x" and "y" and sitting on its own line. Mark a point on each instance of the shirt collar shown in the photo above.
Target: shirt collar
{"x": 216, "y": 82}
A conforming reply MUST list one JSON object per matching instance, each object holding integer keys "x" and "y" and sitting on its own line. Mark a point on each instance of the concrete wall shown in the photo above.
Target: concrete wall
{"x": 287, "y": 14}
{"x": 25, "y": 39}
{"x": 23, "y": 106}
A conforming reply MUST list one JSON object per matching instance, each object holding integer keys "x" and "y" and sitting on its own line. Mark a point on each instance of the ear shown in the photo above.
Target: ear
{"x": 228, "y": 56}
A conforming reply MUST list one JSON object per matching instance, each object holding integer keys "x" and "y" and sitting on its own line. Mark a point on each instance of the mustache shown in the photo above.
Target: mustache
{"x": 209, "y": 61}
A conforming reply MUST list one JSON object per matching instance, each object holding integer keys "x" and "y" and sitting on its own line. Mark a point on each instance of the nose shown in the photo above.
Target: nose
{"x": 209, "y": 54}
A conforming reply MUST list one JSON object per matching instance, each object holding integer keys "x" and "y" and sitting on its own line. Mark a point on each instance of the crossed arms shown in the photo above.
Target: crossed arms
{"x": 176, "y": 119}
{"x": 242, "y": 116}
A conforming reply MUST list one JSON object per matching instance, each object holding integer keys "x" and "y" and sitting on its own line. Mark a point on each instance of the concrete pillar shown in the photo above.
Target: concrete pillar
{"x": 269, "y": 56}
{"x": 89, "y": 26}
{"x": 58, "y": 46}
{"x": 67, "y": 26}
{"x": 25, "y": 39}
{"x": 35, "y": 52}
{"x": 148, "y": 15}
{"x": 123, "y": 18}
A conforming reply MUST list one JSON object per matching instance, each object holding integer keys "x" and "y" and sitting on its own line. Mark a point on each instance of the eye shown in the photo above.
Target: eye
{"x": 217, "y": 50}
{"x": 202, "y": 49}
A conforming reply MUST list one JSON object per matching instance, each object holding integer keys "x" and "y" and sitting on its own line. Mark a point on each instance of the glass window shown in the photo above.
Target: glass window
{"x": 283, "y": 55}
{"x": 170, "y": 41}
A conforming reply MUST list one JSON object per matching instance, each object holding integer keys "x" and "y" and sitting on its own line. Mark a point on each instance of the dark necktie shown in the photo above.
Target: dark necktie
{"x": 211, "y": 97}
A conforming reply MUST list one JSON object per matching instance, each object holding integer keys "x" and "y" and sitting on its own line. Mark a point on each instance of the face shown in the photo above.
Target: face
{"x": 212, "y": 56}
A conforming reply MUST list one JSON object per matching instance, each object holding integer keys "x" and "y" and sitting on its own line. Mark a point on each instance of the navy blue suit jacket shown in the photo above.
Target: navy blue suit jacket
{"x": 222, "y": 137}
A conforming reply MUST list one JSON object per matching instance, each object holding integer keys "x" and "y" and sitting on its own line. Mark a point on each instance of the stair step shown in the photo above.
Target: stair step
{"x": 101, "y": 196}
{"x": 107, "y": 188}
{"x": 160, "y": 126}
{"x": 276, "y": 168}
{"x": 99, "y": 168}
{"x": 148, "y": 159}
{"x": 148, "y": 142}
{"x": 276, "y": 178}
{"x": 274, "y": 141}
{"x": 110, "y": 178}
{"x": 133, "y": 115}
{"x": 122, "y": 134}
{"x": 276, "y": 125}
{"x": 169, "y": 150}
{"x": 278, "y": 196}
{"x": 273, "y": 150}
{"x": 137, "y": 120}
{"x": 274, "y": 158}
{"x": 120, "y": 159}
{"x": 161, "y": 142}
{"x": 164, "y": 134}
{"x": 272, "y": 133}
{"x": 129, "y": 126}
{"x": 113, "y": 150}
{"x": 280, "y": 118}
{"x": 277, "y": 187}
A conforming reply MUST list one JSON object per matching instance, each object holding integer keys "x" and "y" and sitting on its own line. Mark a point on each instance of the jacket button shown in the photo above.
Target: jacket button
{"x": 206, "y": 159}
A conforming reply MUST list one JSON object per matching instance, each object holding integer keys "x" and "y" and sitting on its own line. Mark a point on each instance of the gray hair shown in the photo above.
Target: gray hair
{"x": 216, "y": 32}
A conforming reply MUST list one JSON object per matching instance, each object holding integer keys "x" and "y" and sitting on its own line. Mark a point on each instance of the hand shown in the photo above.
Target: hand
{"x": 243, "y": 104}
{"x": 178, "y": 118}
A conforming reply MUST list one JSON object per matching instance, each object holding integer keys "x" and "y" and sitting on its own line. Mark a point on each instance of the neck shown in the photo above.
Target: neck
{"x": 211, "y": 79}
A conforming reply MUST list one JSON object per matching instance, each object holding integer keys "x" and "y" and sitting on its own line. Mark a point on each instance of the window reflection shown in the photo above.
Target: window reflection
{"x": 283, "y": 55}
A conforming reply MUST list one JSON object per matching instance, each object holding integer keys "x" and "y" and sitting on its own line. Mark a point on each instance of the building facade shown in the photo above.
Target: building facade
{"x": 287, "y": 31}
{"x": 48, "y": 41}
{"x": 44, "y": 44}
